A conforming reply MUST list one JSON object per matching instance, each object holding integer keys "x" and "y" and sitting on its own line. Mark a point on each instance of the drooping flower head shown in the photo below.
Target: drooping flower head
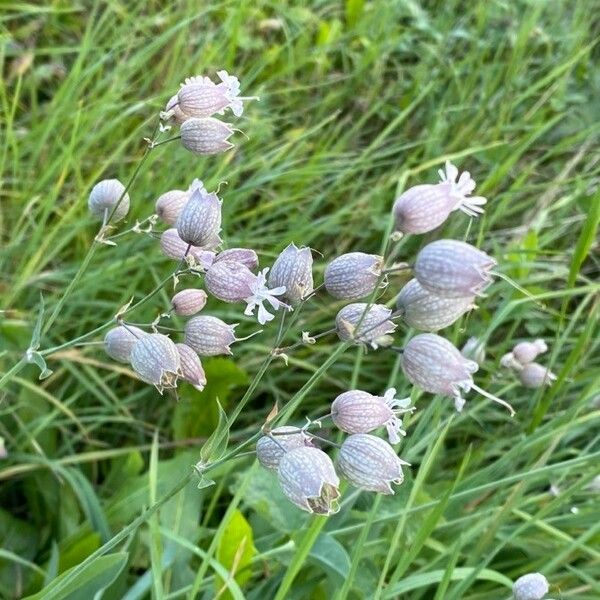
{"x": 229, "y": 281}
{"x": 188, "y": 302}
{"x": 453, "y": 269}
{"x": 106, "y": 196}
{"x": 245, "y": 256}
{"x": 206, "y": 136}
{"x": 435, "y": 365}
{"x": 308, "y": 479}
{"x": 209, "y": 336}
{"x": 172, "y": 246}
{"x": 353, "y": 276}
{"x": 422, "y": 208}
{"x": 533, "y": 375}
{"x": 119, "y": 342}
{"x": 271, "y": 448}
{"x": 373, "y": 326}
{"x": 191, "y": 367}
{"x": 356, "y": 411}
{"x": 293, "y": 270}
{"x": 369, "y": 463}
{"x": 424, "y": 310}
{"x": 199, "y": 222}
{"x": 532, "y": 586}
{"x": 155, "y": 359}
{"x": 526, "y": 352}
{"x": 259, "y": 294}
{"x": 170, "y": 204}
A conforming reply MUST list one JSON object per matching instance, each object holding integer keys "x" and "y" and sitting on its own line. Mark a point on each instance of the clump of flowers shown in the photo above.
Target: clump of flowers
{"x": 446, "y": 278}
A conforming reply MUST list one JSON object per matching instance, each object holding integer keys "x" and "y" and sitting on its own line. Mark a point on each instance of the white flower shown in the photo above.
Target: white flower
{"x": 232, "y": 85}
{"x": 460, "y": 188}
{"x": 394, "y": 424}
{"x": 260, "y": 294}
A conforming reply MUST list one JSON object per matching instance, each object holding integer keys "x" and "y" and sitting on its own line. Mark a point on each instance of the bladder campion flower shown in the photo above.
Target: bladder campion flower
{"x": 105, "y": 196}
{"x": 245, "y": 256}
{"x": 170, "y": 204}
{"x": 526, "y": 352}
{"x": 229, "y": 281}
{"x": 533, "y": 586}
{"x": 453, "y": 269}
{"x": 422, "y": 208}
{"x": 354, "y": 275}
{"x": 360, "y": 412}
{"x": 533, "y": 376}
{"x": 209, "y": 336}
{"x": 424, "y": 310}
{"x": 155, "y": 359}
{"x": 370, "y": 463}
{"x": 119, "y": 342}
{"x": 375, "y": 325}
{"x": 259, "y": 294}
{"x": 293, "y": 270}
{"x": 271, "y": 448}
{"x": 191, "y": 367}
{"x": 433, "y": 364}
{"x": 206, "y": 136}
{"x": 308, "y": 479}
{"x": 188, "y": 302}
{"x": 174, "y": 247}
{"x": 199, "y": 223}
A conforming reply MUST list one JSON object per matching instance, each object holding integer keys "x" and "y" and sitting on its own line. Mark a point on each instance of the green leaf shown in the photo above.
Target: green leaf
{"x": 92, "y": 580}
{"x": 197, "y": 413}
{"x": 586, "y": 238}
{"x": 235, "y": 551}
{"x": 354, "y": 11}
{"x": 329, "y": 553}
{"x": 217, "y": 443}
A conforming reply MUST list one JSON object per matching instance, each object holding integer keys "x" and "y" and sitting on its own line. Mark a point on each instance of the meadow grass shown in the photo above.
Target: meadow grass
{"x": 359, "y": 100}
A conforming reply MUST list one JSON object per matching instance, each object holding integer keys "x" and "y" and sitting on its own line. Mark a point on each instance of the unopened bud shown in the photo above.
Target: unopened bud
{"x": 534, "y": 375}
{"x": 354, "y": 275}
{"x": 209, "y": 336}
{"x": 105, "y": 196}
{"x": 199, "y": 223}
{"x": 424, "y": 310}
{"x": 370, "y": 463}
{"x": 453, "y": 269}
{"x": 188, "y": 302}
{"x": 526, "y": 352}
{"x": 191, "y": 367}
{"x": 119, "y": 342}
{"x": 170, "y": 204}
{"x": 308, "y": 479}
{"x": 375, "y": 324}
{"x": 271, "y": 448}
{"x": 206, "y": 136}
{"x": 155, "y": 359}
{"x": 293, "y": 270}
{"x": 533, "y": 586}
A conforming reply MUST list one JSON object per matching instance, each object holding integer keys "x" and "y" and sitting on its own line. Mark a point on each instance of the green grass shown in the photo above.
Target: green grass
{"x": 358, "y": 100}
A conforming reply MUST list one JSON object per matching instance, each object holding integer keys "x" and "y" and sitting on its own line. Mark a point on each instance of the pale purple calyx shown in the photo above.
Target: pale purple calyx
{"x": 261, "y": 294}
{"x": 460, "y": 188}
{"x": 232, "y": 86}
{"x": 399, "y": 406}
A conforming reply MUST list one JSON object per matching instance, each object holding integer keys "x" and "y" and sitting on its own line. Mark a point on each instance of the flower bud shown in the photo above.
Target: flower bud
{"x": 206, "y": 136}
{"x": 293, "y": 270}
{"x": 209, "y": 336}
{"x": 271, "y": 448}
{"x": 155, "y": 359}
{"x": 526, "y": 352}
{"x": 103, "y": 198}
{"x": 453, "y": 269}
{"x": 188, "y": 302}
{"x": 191, "y": 367}
{"x": 534, "y": 375}
{"x": 374, "y": 326}
{"x": 199, "y": 223}
{"x": 533, "y": 586}
{"x": 433, "y": 364}
{"x": 174, "y": 247}
{"x": 170, "y": 204}
{"x": 360, "y": 412}
{"x": 119, "y": 342}
{"x": 308, "y": 479}
{"x": 370, "y": 463}
{"x": 200, "y": 97}
{"x": 229, "y": 281}
{"x": 354, "y": 275}
{"x": 474, "y": 349}
{"x": 423, "y": 310}
{"x": 172, "y": 109}
{"x": 244, "y": 256}
{"x": 422, "y": 208}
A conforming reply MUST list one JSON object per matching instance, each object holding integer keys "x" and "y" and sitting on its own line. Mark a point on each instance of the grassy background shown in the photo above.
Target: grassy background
{"x": 357, "y": 100}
